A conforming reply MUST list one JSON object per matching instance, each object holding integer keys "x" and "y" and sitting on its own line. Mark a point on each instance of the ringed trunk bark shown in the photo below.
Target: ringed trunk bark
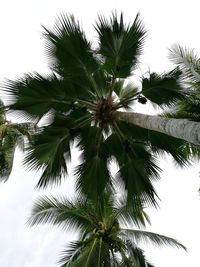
{"x": 179, "y": 128}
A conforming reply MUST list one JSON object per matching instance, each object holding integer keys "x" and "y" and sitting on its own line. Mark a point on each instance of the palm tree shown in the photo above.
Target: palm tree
{"x": 84, "y": 101}
{"x": 11, "y": 136}
{"x": 105, "y": 237}
{"x": 189, "y": 63}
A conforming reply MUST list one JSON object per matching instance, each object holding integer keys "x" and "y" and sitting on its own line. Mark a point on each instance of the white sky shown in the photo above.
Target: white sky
{"x": 22, "y": 50}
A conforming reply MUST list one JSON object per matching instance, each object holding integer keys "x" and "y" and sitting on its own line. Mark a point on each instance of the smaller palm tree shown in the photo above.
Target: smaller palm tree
{"x": 11, "y": 136}
{"x": 105, "y": 236}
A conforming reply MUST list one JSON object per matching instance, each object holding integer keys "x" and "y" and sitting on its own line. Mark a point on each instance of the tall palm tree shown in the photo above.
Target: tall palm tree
{"x": 106, "y": 237}
{"x": 11, "y": 136}
{"x": 84, "y": 101}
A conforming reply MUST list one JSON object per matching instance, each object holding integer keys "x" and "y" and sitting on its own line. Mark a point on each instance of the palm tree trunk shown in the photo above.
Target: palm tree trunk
{"x": 179, "y": 128}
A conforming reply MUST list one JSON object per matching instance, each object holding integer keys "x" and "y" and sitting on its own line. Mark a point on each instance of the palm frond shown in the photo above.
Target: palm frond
{"x": 162, "y": 143}
{"x": 120, "y": 45}
{"x": 136, "y": 182}
{"x": 158, "y": 143}
{"x": 126, "y": 95}
{"x": 60, "y": 211}
{"x": 137, "y": 167}
{"x": 131, "y": 215}
{"x": 187, "y": 109}
{"x": 92, "y": 176}
{"x": 50, "y": 150}
{"x": 187, "y": 60}
{"x": 36, "y": 95}
{"x": 156, "y": 239}
{"x": 71, "y": 253}
{"x": 136, "y": 255}
{"x": 89, "y": 256}
{"x": 164, "y": 89}
{"x": 69, "y": 51}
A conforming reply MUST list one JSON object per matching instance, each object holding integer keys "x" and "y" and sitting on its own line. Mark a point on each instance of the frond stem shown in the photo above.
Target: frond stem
{"x": 118, "y": 131}
{"x": 88, "y": 103}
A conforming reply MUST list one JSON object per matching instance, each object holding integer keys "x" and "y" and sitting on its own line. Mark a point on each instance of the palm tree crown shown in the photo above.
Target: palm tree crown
{"x": 104, "y": 240}
{"x": 11, "y": 136}
{"x": 82, "y": 97}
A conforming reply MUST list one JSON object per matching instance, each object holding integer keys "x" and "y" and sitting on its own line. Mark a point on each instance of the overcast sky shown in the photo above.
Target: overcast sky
{"x": 22, "y": 50}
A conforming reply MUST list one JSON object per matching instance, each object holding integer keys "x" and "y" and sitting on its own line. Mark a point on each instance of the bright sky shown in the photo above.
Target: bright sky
{"x": 22, "y": 50}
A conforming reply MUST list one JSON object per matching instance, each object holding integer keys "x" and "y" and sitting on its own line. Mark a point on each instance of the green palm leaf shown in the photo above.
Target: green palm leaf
{"x": 187, "y": 60}
{"x": 89, "y": 255}
{"x": 92, "y": 176}
{"x": 136, "y": 167}
{"x": 161, "y": 143}
{"x": 120, "y": 45}
{"x": 163, "y": 89}
{"x": 50, "y": 150}
{"x": 37, "y": 95}
{"x": 68, "y": 45}
{"x": 157, "y": 142}
{"x": 60, "y": 211}
{"x": 156, "y": 239}
{"x": 136, "y": 257}
{"x": 68, "y": 256}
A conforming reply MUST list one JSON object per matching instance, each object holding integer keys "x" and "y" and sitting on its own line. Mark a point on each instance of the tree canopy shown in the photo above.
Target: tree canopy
{"x": 80, "y": 99}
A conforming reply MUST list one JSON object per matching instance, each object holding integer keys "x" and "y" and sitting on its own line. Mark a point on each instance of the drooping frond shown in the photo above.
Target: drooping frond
{"x": 50, "y": 150}
{"x": 137, "y": 168}
{"x": 132, "y": 213}
{"x": 136, "y": 256}
{"x": 60, "y": 211}
{"x": 156, "y": 239}
{"x": 92, "y": 176}
{"x": 162, "y": 143}
{"x": 71, "y": 253}
{"x": 158, "y": 143}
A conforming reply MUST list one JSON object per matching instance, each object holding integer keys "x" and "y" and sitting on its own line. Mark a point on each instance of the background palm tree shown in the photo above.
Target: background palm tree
{"x": 84, "y": 99}
{"x": 11, "y": 136}
{"x": 106, "y": 237}
{"x": 189, "y": 63}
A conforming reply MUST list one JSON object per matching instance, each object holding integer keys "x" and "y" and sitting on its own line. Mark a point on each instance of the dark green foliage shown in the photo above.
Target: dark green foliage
{"x": 69, "y": 49}
{"x": 120, "y": 45}
{"x": 78, "y": 101}
{"x": 163, "y": 89}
